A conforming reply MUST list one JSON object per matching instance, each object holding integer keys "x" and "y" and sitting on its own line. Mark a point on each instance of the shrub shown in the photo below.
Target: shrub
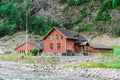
{"x": 81, "y": 1}
{"x": 22, "y": 57}
{"x": 107, "y": 16}
{"x": 115, "y": 3}
{"x": 119, "y": 30}
{"x": 28, "y": 53}
{"x": 99, "y": 16}
{"x": 83, "y": 13}
{"x": 34, "y": 52}
{"x": 85, "y": 27}
{"x": 70, "y": 2}
{"x": 61, "y": 1}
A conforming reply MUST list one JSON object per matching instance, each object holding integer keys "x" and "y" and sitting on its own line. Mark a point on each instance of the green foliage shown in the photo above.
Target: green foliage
{"x": 115, "y": 55}
{"x": 104, "y": 12}
{"x": 34, "y": 52}
{"x": 61, "y": 1}
{"x": 103, "y": 15}
{"x": 13, "y": 19}
{"x": 30, "y": 59}
{"x": 77, "y": 21}
{"x": 79, "y": 2}
{"x": 119, "y": 30}
{"x": 22, "y": 57}
{"x": 28, "y": 53}
{"x": 13, "y": 16}
{"x": 114, "y": 65}
{"x": 116, "y": 51}
{"x": 107, "y": 16}
{"x": 115, "y": 3}
{"x": 73, "y": 2}
{"x": 99, "y": 16}
{"x": 85, "y": 27}
{"x": 70, "y": 24}
{"x": 83, "y": 13}
{"x": 101, "y": 29}
{"x": 70, "y": 2}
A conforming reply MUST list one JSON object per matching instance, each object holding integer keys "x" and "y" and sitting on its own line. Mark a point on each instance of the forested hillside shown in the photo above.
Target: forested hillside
{"x": 88, "y": 16}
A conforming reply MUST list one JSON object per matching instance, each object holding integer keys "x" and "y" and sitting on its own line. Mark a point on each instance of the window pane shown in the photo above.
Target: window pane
{"x": 58, "y": 46}
{"x": 51, "y": 46}
{"x": 48, "y": 37}
{"x": 57, "y": 37}
{"x": 52, "y": 37}
{"x": 61, "y": 37}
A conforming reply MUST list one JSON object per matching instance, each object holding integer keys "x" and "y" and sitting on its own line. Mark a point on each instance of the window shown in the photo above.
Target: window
{"x": 2, "y": 49}
{"x": 52, "y": 37}
{"x": 58, "y": 46}
{"x": 20, "y": 51}
{"x": 61, "y": 37}
{"x": 51, "y": 45}
{"x": 57, "y": 37}
{"x": 48, "y": 37}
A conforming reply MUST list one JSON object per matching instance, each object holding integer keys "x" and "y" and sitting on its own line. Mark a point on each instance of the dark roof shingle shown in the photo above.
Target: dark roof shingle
{"x": 100, "y": 46}
{"x": 39, "y": 45}
{"x": 70, "y": 34}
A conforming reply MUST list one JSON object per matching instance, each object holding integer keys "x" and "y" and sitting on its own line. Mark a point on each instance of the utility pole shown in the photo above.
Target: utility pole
{"x": 26, "y": 32}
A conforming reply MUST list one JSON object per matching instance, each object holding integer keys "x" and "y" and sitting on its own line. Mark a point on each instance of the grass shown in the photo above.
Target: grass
{"x": 109, "y": 56}
{"x": 29, "y": 59}
{"x": 116, "y": 49}
{"x": 114, "y": 65}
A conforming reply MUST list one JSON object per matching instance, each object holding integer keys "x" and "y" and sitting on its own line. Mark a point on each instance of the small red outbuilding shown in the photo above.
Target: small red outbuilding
{"x": 98, "y": 48}
{"x": 27, "y": 47}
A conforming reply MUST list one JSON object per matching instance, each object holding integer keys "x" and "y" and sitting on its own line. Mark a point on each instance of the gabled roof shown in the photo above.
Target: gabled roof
{"x": 39, "y": 45}
{"x": 69, "y": 34}
{"x": 100, "y": 46}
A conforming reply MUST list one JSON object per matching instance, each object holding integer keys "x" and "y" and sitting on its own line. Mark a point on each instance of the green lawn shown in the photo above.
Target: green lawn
{"x": 29, "y": 59}
{"x": 114, "y": 65}
{"x": 108, "y": 56}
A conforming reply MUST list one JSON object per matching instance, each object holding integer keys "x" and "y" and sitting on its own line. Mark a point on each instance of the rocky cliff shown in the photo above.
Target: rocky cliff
{"x": 84, "y": 17}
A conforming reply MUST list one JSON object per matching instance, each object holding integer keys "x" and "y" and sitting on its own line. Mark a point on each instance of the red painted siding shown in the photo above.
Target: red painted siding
{"x": 94, "y": 50}
{"x": 54, "y": 41}
{"x": 91, "y": 49}
{"x": 70, "y": 45}
{"x": 77, "y": 48}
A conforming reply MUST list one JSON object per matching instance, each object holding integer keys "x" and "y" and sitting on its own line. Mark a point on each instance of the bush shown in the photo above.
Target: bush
{"x": 22, "y": 57}
{"x": 70, "y": 2}
{"x": 79, "y": 2}
{"x": 34, "y": 52}
{"x": 61, "y": 1}
{"x": 28, "y": 53}
{"x": 99, "y": 16}
{"x": 85, "y": 27}
{"x": 83, "y": 13}
{"x": 119, "y": 30}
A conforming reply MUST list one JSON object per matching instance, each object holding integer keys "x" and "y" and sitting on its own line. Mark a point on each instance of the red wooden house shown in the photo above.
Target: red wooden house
{"x": 60, "y": 41}
{"x": 27, "y": 47}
